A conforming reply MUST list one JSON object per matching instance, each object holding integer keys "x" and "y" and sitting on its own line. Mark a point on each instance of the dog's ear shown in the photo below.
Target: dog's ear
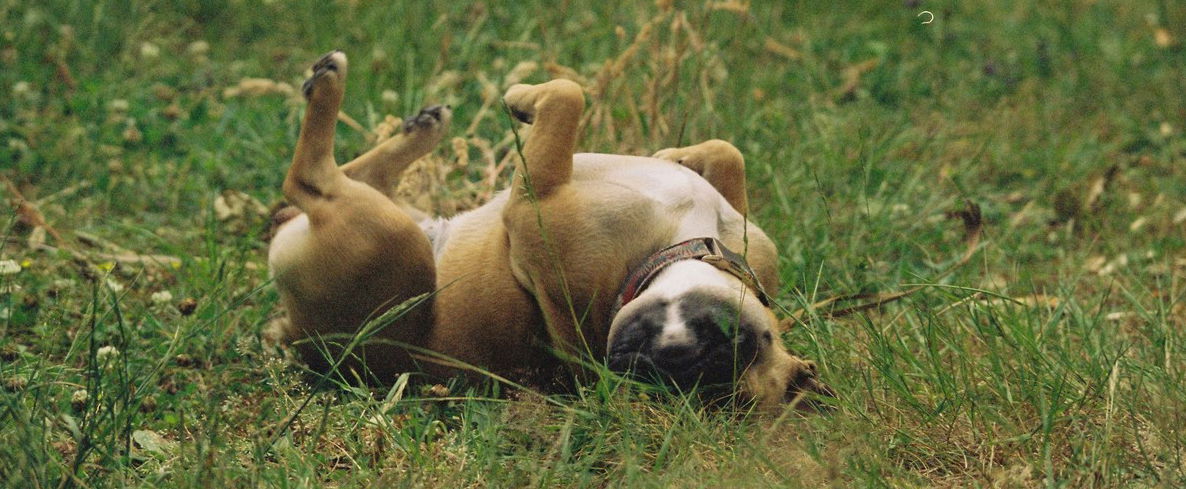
{"x": 804, "y": 388}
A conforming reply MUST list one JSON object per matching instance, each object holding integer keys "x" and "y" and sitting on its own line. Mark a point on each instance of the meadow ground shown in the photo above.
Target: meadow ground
{"x": 143, "y": 137}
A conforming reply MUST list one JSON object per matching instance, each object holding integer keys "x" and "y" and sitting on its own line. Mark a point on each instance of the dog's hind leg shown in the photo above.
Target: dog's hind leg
{"x": 314, "y": 174}
{"x": 718, "y": 162}
{"x": 383, "y": 165}
{"x": 353, "y": 253}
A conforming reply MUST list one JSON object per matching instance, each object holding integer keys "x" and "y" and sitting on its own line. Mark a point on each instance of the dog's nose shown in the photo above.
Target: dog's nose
{"x": 677, "y": 357}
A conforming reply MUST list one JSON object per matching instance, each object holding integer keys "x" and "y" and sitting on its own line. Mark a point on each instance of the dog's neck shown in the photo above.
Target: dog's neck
{"x": 699, "y": 260}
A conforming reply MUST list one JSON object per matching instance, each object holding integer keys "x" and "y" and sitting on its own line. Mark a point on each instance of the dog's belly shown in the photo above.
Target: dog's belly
{"x": 688, "y": 206}
{"x": 679, "y": 195}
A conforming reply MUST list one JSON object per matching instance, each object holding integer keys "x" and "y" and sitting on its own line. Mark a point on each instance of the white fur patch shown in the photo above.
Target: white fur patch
{"x": 437, "y": 230}
{"x": 675, "y": 331}
{"x": 287, "y": 245}
{"x": 678, "y": 279}
{"x": 685, "y": 276}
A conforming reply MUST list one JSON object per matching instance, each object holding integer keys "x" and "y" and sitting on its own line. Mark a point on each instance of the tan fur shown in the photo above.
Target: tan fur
{"x": 337, "y": 274}
{"x": 533, "y": 272}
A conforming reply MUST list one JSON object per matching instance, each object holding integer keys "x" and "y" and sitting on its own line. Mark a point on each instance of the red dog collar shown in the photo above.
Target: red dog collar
{"x": 708, "y": 250}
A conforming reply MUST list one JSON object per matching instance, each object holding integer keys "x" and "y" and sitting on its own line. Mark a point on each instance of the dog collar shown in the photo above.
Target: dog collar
{"x": 708, "y": 250}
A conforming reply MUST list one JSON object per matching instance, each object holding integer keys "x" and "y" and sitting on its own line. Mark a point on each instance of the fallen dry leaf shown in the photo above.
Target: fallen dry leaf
{"x": 231, "y": 204}
{"x": 255, "y": 87}
{"x": 783, "y": 50}
{"x": 852, "y": 78}
{"x": 734, "y": 6}
{"x": 1162, "y": 37}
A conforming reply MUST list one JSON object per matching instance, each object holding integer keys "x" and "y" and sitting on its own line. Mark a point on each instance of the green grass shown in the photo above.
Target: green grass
{"x": 1062, "y": 120}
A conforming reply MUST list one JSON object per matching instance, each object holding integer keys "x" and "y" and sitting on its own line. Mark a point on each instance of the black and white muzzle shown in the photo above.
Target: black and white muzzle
{"x": 696, "y": 327}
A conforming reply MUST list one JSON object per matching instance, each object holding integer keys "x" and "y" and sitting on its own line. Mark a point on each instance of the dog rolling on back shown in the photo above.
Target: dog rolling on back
{"x": 623, "y": 259}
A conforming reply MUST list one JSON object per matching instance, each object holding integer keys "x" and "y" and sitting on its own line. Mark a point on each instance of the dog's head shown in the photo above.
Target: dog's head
{"x": 702, "y": 325}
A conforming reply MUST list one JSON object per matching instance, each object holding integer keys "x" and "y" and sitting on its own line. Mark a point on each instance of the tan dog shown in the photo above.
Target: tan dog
{"x": 596, "y": 256}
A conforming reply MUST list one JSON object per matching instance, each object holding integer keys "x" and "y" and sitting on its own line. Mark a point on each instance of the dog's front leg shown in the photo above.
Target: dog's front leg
{"x": 382, "y": 166}
{"x": 554, "y": 111}
{"x": 542, "y": 214}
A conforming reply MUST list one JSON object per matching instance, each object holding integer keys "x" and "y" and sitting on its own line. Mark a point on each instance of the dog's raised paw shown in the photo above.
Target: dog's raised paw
{"x": 332, "y": 63}
{"x": 520, "y": 100}
{"x": 428, "y": 118}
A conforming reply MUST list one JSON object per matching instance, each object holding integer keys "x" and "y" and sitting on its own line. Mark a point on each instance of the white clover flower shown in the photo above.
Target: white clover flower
{"x": 149, "y": 50}
{"x": 9, "y": 267}
{"x": 389, "y": 96}
{"x": 79, "y": 398}
{"x": 118, "y": 105}
{"x": 106, "y": 353}
{"x": 21, "y": 89}
{"x": 114, "y": 285}
{"x": 198, "y": 48}
{"x": 162, "y": 297}
{"x": 17, "y": 145}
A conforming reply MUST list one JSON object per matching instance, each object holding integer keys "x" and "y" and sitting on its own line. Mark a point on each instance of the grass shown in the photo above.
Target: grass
{"x": 1055, "y": 358}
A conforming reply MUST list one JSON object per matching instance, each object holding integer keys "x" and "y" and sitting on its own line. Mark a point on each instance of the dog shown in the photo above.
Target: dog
{"x": 646, "y": 263}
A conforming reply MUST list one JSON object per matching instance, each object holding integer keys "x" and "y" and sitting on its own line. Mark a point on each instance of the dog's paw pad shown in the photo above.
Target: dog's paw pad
{"x": 522, "y": 116}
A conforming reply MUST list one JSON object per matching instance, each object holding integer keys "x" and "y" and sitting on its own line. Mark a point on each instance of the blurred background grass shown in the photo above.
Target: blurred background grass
{"x": 1054, "y": 358}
